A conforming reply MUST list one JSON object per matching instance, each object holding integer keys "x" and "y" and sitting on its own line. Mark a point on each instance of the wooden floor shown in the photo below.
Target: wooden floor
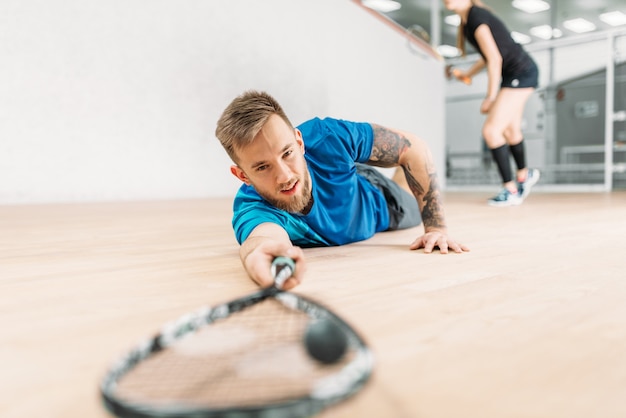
{"x": 530, "y": 323}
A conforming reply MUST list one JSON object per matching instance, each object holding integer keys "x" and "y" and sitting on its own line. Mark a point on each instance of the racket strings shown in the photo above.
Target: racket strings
{"x": 250, "y": 357}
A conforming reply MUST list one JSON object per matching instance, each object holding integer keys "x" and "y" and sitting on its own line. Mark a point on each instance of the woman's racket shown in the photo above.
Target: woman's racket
{"x": 270, "y": 354}
{"x": 457, "y": 74}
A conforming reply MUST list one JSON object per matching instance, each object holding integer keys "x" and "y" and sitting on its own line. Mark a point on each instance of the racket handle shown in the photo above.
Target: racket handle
{"x": 282, "y": 269}
{"x": 465, "y": 79}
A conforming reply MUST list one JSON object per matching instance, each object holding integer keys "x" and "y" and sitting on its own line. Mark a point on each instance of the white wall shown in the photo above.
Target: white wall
{"x": 118, "y": 99}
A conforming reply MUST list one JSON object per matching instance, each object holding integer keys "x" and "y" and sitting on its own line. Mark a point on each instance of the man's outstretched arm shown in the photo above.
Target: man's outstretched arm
{"x": 266, "y": 242}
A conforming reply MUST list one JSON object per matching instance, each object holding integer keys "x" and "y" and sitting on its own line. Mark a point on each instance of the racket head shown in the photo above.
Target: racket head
{"x": 245, "y": 358}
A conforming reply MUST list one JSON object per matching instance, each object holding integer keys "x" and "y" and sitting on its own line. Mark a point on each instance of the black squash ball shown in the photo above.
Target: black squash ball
{"x": 325, "y": 341}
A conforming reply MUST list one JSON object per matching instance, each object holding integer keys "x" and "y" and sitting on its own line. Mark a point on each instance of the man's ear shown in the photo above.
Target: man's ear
{"x": 299, "y": 139}
{"x": 238, "y": 172}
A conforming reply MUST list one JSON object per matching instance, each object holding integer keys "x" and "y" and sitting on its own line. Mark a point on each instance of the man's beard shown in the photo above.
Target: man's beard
{"x": 298, "y": 203}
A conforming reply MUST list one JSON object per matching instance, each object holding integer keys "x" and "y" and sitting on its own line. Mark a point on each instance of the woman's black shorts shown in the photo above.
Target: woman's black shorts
{"x": 524, "y": 79}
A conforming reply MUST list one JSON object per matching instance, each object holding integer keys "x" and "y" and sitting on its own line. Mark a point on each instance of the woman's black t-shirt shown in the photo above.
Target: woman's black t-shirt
{"x": 514, "y": 58}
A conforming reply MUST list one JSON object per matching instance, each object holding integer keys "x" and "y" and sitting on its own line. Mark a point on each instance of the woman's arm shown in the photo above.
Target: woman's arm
{"x": 476, "y": 68}
{"x": 493, "y": 60}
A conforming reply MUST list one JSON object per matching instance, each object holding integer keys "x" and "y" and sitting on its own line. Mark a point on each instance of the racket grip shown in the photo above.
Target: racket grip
{"x": 465, "y": 79}
{"x": 282, "y": 269}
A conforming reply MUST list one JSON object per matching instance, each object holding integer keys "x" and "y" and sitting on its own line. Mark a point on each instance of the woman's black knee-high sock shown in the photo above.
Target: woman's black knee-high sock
{"x": 517, "y": 151}
{"x": 501, "y": 157}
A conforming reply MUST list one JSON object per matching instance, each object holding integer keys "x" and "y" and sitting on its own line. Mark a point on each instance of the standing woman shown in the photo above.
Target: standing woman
{"x": 512, "y": 78}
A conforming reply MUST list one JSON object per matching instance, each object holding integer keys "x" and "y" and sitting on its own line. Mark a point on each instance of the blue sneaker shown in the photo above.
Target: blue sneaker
{"x": 505, "y": 198}
{"x": 523, "y": 188}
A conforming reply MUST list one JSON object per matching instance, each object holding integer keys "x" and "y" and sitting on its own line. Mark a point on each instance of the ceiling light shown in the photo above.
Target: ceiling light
{"x": 520, "y": 38}
{"x": 542, "y": 31}
{"x": 615, "y": 18}
{"x": 531, "y": 6}
{"x": 453, "y": 20}
{"x": 448, "y": 51}
{"x": 579, "y": 25}
{"x": 383, "y": 6}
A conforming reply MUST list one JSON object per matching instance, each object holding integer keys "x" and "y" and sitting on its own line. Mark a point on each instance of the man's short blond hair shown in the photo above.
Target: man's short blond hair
{"x": 244, "y": 117}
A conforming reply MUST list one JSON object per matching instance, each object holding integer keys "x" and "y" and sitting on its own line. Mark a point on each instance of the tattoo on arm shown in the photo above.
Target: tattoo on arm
{"x": 414, "y": 185}
{"x": 387, "y": 148}
{"x": 386, "y": 151}
{"x": 432, "y": 214}
{"x": 432, "y": 209}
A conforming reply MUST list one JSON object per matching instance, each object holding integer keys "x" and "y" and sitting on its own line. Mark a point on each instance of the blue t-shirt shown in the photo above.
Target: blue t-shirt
{"x": 346, "y": 206}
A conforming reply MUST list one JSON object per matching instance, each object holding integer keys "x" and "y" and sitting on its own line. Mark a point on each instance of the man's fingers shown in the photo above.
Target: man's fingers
{"x": 429, "y": 245}
{"x": 291, "y": 283}
{"x": 443, "y": 243}
{"x": 417, "y": 244}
